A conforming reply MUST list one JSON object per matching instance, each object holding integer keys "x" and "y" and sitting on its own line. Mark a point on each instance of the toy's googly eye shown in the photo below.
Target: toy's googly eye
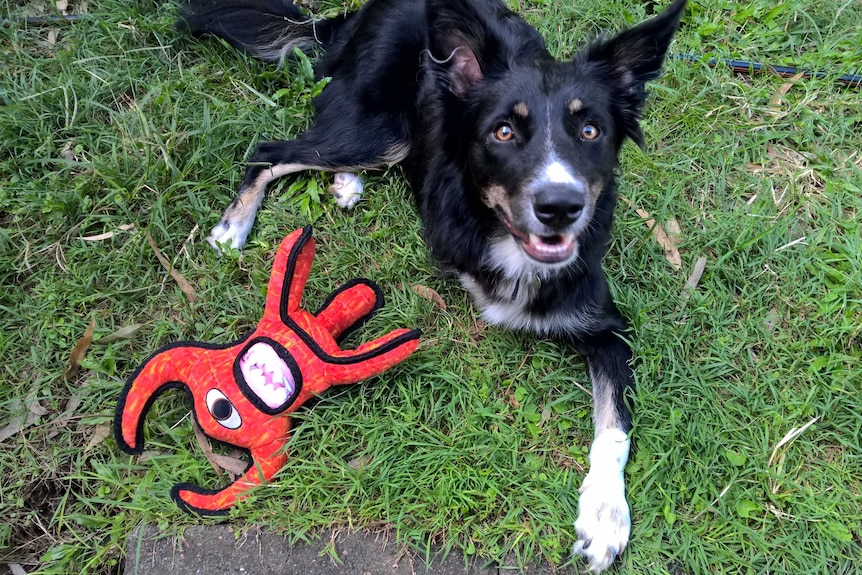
{"x": 222, "y": 409}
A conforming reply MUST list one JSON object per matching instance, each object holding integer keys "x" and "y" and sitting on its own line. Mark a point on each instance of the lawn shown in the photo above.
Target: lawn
{"x": 748, "y": 417}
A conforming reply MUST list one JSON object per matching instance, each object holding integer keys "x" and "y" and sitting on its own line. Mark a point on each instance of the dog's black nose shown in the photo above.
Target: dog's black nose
{"x": 558, "y": 205}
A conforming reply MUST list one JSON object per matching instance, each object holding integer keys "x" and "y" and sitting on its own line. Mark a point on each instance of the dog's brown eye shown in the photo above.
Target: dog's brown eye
{"x": 589, "y": 132}
{"x": 504, "y": 133}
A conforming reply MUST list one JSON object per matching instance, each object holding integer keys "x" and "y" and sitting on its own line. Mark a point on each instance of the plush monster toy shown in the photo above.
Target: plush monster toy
{"x": 244, "y": 392}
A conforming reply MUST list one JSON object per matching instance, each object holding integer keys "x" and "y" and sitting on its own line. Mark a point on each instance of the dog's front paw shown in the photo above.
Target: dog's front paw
{"x": 347, "y": 189}
{"x": 604, "y": 521}
{"x": 228, "y": 234}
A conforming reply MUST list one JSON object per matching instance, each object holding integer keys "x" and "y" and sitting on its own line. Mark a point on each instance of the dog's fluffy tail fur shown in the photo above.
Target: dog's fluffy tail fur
{"x": 266, "y": 29}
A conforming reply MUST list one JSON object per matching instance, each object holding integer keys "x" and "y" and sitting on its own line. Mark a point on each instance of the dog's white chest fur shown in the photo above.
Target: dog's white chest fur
{"x": 512, "y": 302}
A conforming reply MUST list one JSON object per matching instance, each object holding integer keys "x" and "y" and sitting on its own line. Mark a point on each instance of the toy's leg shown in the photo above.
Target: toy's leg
{"x": 265, "y": 463}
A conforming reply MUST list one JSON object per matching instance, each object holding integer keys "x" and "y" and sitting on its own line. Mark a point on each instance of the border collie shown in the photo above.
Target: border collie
{"x": 511, "y": 155}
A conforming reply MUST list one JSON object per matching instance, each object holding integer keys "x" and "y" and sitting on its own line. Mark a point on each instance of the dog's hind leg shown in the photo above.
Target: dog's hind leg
{"x": 316, "y": 149}
{"x": 604, "y": 519}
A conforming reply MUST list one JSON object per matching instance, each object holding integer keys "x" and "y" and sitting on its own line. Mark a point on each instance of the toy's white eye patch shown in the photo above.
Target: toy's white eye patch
{"x": 222, "y": 409}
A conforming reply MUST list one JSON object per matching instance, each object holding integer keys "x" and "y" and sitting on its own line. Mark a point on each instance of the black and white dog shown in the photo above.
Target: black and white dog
{"x": 511, "y": 155}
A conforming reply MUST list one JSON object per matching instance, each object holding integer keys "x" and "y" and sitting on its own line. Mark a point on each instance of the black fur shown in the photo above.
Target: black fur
{"x": 511, "y": 155}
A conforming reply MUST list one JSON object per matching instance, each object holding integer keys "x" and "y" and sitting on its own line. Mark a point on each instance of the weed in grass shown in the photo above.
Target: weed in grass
{"x": 479, "y": 441}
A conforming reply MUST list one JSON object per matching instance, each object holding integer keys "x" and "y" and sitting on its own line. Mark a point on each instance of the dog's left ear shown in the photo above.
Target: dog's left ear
{"x": 634, "y": 57}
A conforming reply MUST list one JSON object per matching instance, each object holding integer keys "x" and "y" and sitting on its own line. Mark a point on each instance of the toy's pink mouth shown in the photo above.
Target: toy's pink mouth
{"x": 552, "y": 249}
{"x": 267, "y": 375}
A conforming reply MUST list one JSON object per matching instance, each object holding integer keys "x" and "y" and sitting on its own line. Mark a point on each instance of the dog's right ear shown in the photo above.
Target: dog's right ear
{"x": 466, "y": 41}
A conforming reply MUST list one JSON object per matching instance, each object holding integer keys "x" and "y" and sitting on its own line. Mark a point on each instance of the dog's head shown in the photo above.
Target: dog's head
{"x": 539, "y": 138}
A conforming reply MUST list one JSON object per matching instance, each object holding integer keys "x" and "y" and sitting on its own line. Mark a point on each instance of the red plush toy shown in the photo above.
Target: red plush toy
{"x": 243, "y": 392}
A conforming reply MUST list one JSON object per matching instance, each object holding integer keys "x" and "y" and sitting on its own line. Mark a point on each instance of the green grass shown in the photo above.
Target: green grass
{"x": 479, "y": 441}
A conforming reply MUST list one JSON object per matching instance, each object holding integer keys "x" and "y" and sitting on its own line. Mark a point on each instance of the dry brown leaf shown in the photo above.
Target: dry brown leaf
{"x": 68, "y": 152}
{"x": 233, "y": 465}
{"x": 17, "y": 424}
{"x": 204, "y": 443}
{"x": 429, "y": 294}
{"x": 778, "y": 98}
{"x": 673, "y": 231}
{"x": 97, "y": 237}
{"x": 668, "y": 240}
{"x": 38, "y": 409}
{"x": 107, "y": 235}
{"x": 62, "y": 5}
{"x": 100, "y": 434}
{"x": 671, "y": 254}
{"x": 79, "y": 351}
{"x": 183, "y": 283}
{"x": 126, "y": 332}
{"x": 694, "y": 278}
{"x": 359, "y": 462}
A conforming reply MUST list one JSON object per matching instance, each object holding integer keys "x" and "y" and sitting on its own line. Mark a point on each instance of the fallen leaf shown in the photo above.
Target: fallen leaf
{"x": 79, "y": 351}
{"x": 668, "y": 245}
{"x": 219, "y": 462}
{"x": 52, "y": 36}
{"x": 694, "y": 278}
{"x": 430, "y": 295}
{"x": 674, "y": 233}
{"x": 37, "y": 408}
{"x": 233, "y": 465}
{"x": 62, "y": 5}
{"x": 183, "y": 283}
{"x": 126, "y": 332}
{"x": 772, "y": 319}
{"x": 15, "y": 569}
{"x": 359, "y": 462}
{"x": 100, "y": 433}
{"x": 107, "y": 235}
{"x": 97, "y": 237}
{"x": 17, "y": 424}
{"x": 68, "y": 152}
{"x": 778, "y": 98}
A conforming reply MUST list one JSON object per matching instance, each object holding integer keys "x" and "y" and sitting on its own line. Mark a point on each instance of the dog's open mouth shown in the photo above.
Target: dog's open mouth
{"x": 551, "y": 249}
{"x": 267, "y": 375}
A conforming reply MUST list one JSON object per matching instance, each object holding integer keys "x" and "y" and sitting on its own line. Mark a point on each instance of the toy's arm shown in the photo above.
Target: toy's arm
{"x": 349, "y": 307}
{"x": 289, "y": 273}
{"x": 372, "y": 358}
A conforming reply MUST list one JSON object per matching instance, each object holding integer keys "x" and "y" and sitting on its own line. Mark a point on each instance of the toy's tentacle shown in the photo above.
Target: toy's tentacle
{"x": 289, "y": 274}
{"x": 158, "y": 373}
{"x": 265, "y": 462}
{"x": 349, "y": 307}
{"x": 372, "y": 358}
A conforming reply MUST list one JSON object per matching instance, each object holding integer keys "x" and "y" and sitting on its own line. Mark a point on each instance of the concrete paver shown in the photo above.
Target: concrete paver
{"x": 214, "y": 550}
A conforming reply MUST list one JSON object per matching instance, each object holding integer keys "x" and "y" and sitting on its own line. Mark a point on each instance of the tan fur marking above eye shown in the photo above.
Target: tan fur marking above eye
{"x": 521, "y": 110}
{"x": 576, "y": 105}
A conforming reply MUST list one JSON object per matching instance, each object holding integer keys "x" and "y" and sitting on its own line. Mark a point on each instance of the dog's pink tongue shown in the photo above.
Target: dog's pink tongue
{"x": 551, "y": 249}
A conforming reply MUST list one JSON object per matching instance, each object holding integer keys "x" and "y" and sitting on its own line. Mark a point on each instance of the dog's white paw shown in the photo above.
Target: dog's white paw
{"x": 347, "y": 189}
{"x": 228, "y": 234}
{"x": 604, "y": 521}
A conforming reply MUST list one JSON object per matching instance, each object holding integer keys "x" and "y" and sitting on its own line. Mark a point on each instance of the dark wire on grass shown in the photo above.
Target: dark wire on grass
{"x": 42, "y": 20}
{"x": 751, "y": 68}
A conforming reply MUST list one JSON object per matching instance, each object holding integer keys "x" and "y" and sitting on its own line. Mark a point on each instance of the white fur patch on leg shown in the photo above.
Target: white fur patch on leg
{"x": 347, "y": 189}
{"x": 604, "y": 520}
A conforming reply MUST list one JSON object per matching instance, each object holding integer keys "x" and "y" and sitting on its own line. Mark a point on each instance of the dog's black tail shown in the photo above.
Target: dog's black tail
{"x": 266, "y": 29}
